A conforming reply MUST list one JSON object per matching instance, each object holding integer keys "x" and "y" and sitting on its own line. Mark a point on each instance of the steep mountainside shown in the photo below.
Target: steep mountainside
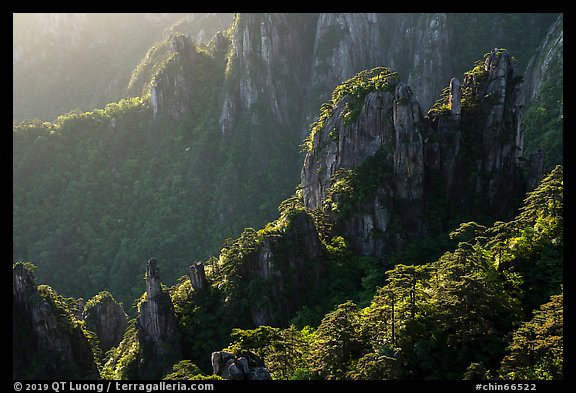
{"x": 48, "y": 342}
{"x": 84, "y": 61}
{"x": 544, "y": 98}
{"x": 460, "y": 161}
{"x": 373, "y": 269}
{"x": 211, "y": 144}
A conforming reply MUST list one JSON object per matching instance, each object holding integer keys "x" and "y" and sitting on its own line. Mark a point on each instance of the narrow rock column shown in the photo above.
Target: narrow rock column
{"x": 409, "y": 154}
{"x": 157, "y": 327}
{"x": 455, "y": 99}
{"x": 198, "y": 276}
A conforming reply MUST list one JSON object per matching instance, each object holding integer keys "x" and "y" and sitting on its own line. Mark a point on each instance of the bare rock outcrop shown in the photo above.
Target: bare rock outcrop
{"x": 244, "y": 366}
{"x": 48, "y": 342}
{"x": 157, "y": 327}
{"x": 105, "y": 317}
{"x": 468, "y": 147}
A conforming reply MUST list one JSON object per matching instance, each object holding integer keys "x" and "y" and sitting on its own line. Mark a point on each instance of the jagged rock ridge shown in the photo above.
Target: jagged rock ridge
{"x": 157, "y": 328}
{"x": 47, "y": 342}
{"x": 107, "y": 319}
{"x": 476, "y": 129}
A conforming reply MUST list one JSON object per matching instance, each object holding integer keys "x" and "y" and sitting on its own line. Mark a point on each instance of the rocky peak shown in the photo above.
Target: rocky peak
{"x": 153, "y": 283}
{"x": 502, "y": 131}
{"x": 171, "y": 89}
{"x": 157, "y": 327}
{"x": 105, "y": 317}
{"x": 197, "y": 276}
{"x": 408, "y": 152}
{"x": 23, "y": 285}
{"x": 48, "y": 343}
{"x": 422, "y": 161}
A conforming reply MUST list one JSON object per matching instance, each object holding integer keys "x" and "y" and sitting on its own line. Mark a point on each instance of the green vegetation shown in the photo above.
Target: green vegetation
{"x": 122, "y": 361}
{"x": 461, "y": 316}
{"x": 536, "y": 350}
{"x": 544, "y": 120}
{"x": 475, "y": 33}
{"x": 100, "y": 297}
{"x": 353, "y": 90}
{"x": 97, "y": 193}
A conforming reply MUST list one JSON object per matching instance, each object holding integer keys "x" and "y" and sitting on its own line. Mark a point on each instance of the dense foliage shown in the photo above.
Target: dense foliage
{"x": 475, "y": 33}
{"x": 544, "y": 119}
{"x": 97, "y": 193}
{"x": 461, "y": 316}
{"x": 353, "y": 90}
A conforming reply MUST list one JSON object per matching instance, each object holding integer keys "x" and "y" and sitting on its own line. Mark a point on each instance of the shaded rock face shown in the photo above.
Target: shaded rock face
{"x": 535, "y": 169}
{"x": 292, "y": 263}
{"x": 46, "y": 345}
{"x": 197, "y": 276}
{"x": 157, "y": 328}
{"x": 356, "y": 142}
{"x": 438, "y": 162}
{"x": 108, "y": 320}
{"x": 325, "y": 49}
{"x": 259, "y": 71}
{"x": 246, "y": 366}
{"x": 172, "y": 89}
{"x": 549, "y": 55}
{"x": 416, "y": 45}
{"x": 503, "y": 133}
{"x": 283, "y": 264}
{"x": 390, "y": 124}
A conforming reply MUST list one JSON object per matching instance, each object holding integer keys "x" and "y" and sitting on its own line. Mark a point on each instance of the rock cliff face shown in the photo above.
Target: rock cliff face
{"x": 171, "y": 89}
{"x": 247, "y": 366}
{"x": 324, "y": 49}
{"x": 347, "y": 43}
{"x": 543, "y": 95}
{"x": 285, "y": 261}
{"x": 105, "y": 317}
{"x": 47, "y": 341}
{"x": 197, "y": 277}
{"x": 467, "y": 148}
{"x": 157, "y": 328}
{"x": 258, "y": 70}
{"x": 549, "y": 55}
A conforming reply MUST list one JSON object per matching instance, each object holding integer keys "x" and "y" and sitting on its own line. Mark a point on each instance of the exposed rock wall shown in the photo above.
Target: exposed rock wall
{"x": 278, "y": 265}
{"x": 246, "y": 366}
{"x": 440, "y": 162}
{"x": 47, "y": 344}
{"x": 157, "y": 328}
{"x": 259, "y": 70}
{"x": 108, "y": 320}
{"x": 197, "y": 276}
{"x": 550, "y": 53}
